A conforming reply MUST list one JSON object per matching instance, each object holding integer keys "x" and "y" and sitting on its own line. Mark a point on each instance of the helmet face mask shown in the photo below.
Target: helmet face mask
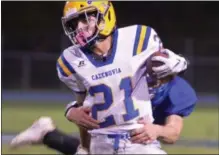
{"x": 84, "y": 25}
{"x": 82, "y": 35}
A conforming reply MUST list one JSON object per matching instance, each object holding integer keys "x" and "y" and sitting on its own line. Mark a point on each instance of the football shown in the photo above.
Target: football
{"x": 151, "y": 64}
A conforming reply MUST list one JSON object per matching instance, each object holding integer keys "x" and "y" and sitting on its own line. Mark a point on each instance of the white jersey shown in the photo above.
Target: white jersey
{"x": 116, "y": 87}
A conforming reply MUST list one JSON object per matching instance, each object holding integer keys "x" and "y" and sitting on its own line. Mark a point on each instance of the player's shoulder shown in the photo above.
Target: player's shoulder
{"x": 182, "y": 98}
{"x": 66, "y": 62}
{"x": 134, "y": 27}
{"x": 71, "y": 53}
{"x": 137, "y": 28}
{"x": 182, "y": 91}
{"x": 128, "y": 28}
{"x": 138, "y": 37}
{"x": 179, "y": 82}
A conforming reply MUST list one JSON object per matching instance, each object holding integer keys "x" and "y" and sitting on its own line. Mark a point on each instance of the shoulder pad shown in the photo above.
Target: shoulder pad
{"x": 65, "y": 62}
{"x": 182, "y": 97}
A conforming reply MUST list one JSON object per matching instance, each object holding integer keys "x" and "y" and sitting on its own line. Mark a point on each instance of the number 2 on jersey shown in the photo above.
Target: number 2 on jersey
{"x": 125, "y": 85}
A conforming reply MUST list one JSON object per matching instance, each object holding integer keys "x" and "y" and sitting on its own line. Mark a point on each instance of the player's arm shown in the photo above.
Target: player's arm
{"x": 78, "y": 114}
{"x": 151, "y": 43}
{"x": 74, "y": 112}
{"x": 182, "y": 101}
{"x": 71, "y": 79}
{"x": 170, "y": 132}
{"x": 84, "y": 135}
{"x": 167, "y": 133}
{"x": 71, "y": 109}
{"x": 173, "y": 64}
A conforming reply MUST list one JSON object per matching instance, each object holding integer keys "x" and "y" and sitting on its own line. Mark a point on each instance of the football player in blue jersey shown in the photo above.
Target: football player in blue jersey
{"x": 171, "y": 102}
{"x": 91, "y": 27}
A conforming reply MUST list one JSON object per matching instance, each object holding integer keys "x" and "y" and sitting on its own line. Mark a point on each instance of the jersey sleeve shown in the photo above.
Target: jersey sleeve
{"x": 182, "y": 98}
{"x": 67, "y": 75}
{"x": 146, "y": 42}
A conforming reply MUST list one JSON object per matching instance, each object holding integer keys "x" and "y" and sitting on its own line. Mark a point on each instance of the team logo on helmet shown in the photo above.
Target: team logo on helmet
{"x": 89, "y": 2}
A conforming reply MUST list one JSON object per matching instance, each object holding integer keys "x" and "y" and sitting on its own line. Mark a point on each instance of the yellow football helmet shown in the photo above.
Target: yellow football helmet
{"x": 104, "y": 12}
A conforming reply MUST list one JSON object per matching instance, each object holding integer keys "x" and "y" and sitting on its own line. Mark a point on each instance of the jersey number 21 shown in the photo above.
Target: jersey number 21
{"x": 125, "y": 85}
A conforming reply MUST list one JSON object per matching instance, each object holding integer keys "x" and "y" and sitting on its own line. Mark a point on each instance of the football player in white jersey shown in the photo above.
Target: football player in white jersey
{"x": 171, "y": 102}
{"x": 106, "y": 68}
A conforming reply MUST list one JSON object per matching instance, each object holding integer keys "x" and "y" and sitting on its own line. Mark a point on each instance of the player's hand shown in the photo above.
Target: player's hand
{"x": 81, "y": 117}
{"x": 146, "y": 134}
{"x": 173, "y": 64}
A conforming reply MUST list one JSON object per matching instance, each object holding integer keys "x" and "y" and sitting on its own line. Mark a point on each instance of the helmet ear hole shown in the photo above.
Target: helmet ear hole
{"x": 109, "y": 15}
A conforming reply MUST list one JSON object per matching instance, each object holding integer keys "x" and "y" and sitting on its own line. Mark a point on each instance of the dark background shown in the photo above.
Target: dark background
{"x": 32, "y": 39}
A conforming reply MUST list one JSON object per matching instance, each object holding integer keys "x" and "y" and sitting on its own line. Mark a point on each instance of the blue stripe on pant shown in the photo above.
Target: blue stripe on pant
{"x": 117, "y": 138}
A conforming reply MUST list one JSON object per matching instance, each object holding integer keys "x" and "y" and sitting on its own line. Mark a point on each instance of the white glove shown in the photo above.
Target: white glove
{"x": 81, "y": 150}
{"x": 172, "y": 65}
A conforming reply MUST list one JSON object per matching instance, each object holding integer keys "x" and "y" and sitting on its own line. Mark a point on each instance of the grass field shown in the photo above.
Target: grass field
{"x": 169, "y": 149}
{"x": 201, "y": 125}
{"x": 23, "y": 115}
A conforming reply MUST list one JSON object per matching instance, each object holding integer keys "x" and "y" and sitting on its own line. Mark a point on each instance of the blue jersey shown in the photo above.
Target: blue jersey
{"x": 176, "y": 97}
